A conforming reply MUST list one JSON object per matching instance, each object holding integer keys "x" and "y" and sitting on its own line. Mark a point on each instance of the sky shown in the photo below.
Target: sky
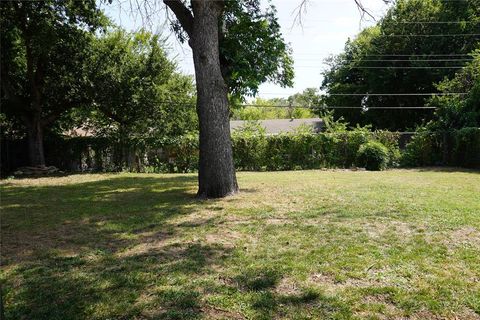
{"x": 327, "y": 25}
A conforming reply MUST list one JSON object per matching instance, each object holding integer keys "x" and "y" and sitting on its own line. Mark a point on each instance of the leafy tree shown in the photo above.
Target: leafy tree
{"x": 236, "y": 46}
{"x": 138, "y": 88}
{"x": 454, "y": 111}
{"x": 44, "y": 46}
{"x": 138, "y": 98}
{"x": 391, "y": 43}
{"x": 296, "y": 106}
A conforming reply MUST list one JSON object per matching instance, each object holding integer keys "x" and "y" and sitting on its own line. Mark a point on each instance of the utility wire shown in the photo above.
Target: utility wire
{"x": 392, "y": 67}
{"x": 301, "y": 107}
{"x": 400, "y": 60}
{"x": 396, "y": 94}
{"x": 333, "y": 107}
{"x": 409, "y": 22}
{"x": 432, "y": 35}
{"x": 397, "y": 55}
{"x": 434, "y": 22}
{"x": 383, "y": 94}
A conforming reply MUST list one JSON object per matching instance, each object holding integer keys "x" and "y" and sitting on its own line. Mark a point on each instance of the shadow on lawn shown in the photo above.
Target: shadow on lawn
{"x": 109, "y": 249}
{"x": 271, "y": 296}
{"x": 445, "y": 169}
{"x": 90, "y": 215}
{"x": 65, "y": 242}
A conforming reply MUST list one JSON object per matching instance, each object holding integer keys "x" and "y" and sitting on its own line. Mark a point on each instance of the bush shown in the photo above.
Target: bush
{"x": 467, "y": 147}
{"x": 449, "y": 148}
{"x": 373, "y": 156}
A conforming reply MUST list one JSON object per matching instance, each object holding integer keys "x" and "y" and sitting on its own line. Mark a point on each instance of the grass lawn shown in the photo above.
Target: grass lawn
{"x": 399, "y": 244}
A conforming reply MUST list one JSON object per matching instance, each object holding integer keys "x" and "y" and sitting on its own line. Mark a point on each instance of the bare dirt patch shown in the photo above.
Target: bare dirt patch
{"x": 465, "y": 236}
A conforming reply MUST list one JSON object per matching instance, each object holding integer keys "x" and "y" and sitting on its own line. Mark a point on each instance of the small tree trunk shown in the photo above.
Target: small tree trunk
{"x": 216, "y": 175}
{"x": 35, "y": 142}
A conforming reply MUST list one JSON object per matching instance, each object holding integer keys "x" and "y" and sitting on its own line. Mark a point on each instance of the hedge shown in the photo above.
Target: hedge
{"x": 254, "y": 152}
{"x": 307, "y": 151}
{"x": 260, "y": 152}
{"x": 459, "y": 148}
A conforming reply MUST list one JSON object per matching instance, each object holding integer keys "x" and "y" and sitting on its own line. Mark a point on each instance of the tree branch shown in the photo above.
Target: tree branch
{"x": 302, "y": 9}
{"x": 183, "y": 14}
{"x": 363, "y": 11}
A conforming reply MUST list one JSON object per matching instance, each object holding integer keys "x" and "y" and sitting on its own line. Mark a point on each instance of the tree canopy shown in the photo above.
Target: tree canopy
{"x": 252, "y": 48}
{"x": 138, "y": 91}
{"x": 458, "y": 111}
{"x": 417, "y": 44}
{"x": 44, "y": 45}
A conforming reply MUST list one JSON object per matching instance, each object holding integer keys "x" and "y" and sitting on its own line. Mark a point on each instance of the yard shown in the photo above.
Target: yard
{"x": 303, "y": 244}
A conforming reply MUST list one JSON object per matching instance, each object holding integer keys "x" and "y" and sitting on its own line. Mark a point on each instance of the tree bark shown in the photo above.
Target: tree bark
{"x": 216, "y": 175}
{"x": 35, "y": 142}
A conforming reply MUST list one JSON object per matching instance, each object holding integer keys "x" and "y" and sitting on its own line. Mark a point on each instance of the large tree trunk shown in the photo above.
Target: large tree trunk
{"x": 216, "y": 175}
{"x": 35, "y": 142}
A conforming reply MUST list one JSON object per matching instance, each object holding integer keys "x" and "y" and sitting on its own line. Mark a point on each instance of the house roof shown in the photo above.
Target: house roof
{"x": 277, "y": 126}
{"x": 79, "y": 132}
{"x": 274, "y": 126}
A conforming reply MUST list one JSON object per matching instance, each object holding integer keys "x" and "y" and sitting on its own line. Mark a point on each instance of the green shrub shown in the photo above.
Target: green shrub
{"x": 421, "y": 150}
{"x": 449, "y": 148}
{"x": 249, "y": 145}
{"x": 373, "y": 156}
{"x": 467, "y": 147}
{"x": 253, "y": 150}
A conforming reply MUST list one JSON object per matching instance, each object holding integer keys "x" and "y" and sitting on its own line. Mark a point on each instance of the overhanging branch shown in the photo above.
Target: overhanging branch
{"x": 302, "y": 8}
{"x": 183, "y": 14}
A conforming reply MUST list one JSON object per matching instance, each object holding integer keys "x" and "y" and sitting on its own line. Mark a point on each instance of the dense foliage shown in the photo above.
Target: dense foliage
{"x": 372, "y": 156}
{"x": 44, "y": 47}
{"x": 252, "y": 48}
{"x": 396, "y": 56}
{"x": 59, "y": 74}
{"x": 448, "y": 148}
{"x": 138, "y": 92}
{"x": 452, "y": 137}
{"x": 458, "y": 111}
{"x": 253, "y": 150}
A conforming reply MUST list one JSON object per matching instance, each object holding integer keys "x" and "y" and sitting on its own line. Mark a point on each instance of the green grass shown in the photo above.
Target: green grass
{"x": 399, "y": 244}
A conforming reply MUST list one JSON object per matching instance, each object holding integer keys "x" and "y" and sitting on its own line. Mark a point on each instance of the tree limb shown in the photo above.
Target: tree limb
{"x": 183, "y": 14}
{"x": 302, "y": 8}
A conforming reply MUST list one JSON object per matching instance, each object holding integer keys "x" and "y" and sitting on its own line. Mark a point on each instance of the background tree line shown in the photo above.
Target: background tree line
{"x": 66, "y": 66}
{"x": 414, "y": 47}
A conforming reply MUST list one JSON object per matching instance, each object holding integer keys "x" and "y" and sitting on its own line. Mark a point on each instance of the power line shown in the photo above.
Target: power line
{"x": 434, "y": 22}
{"x": 402, "y": 60}
{"x": 431, "y": 35}
{"x": 396, "y": 94}
{"x": 381, "y": 94}
{"x": 408, "y": 22}
{"x": 333, "y": 107}
{"x": 303, "y": 107}
{"x": 392, "y": 67}
{"x": 395, "y": 55}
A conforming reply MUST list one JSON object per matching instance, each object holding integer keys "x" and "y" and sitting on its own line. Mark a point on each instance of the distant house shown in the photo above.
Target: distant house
{"x": 79, "y": 132}
{"x": 277, "y": 126}
{"x": 272, "y": 127}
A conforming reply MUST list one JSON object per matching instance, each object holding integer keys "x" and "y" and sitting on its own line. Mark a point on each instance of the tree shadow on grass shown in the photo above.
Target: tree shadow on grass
{"x": 111, "y": 249}
{"x": 270, "y": 298}
{"x": 445, "y": 169}
{"x": 149, "y": 286}
{"x": 70, "y": 251}
{"x": 91, "y": 215}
